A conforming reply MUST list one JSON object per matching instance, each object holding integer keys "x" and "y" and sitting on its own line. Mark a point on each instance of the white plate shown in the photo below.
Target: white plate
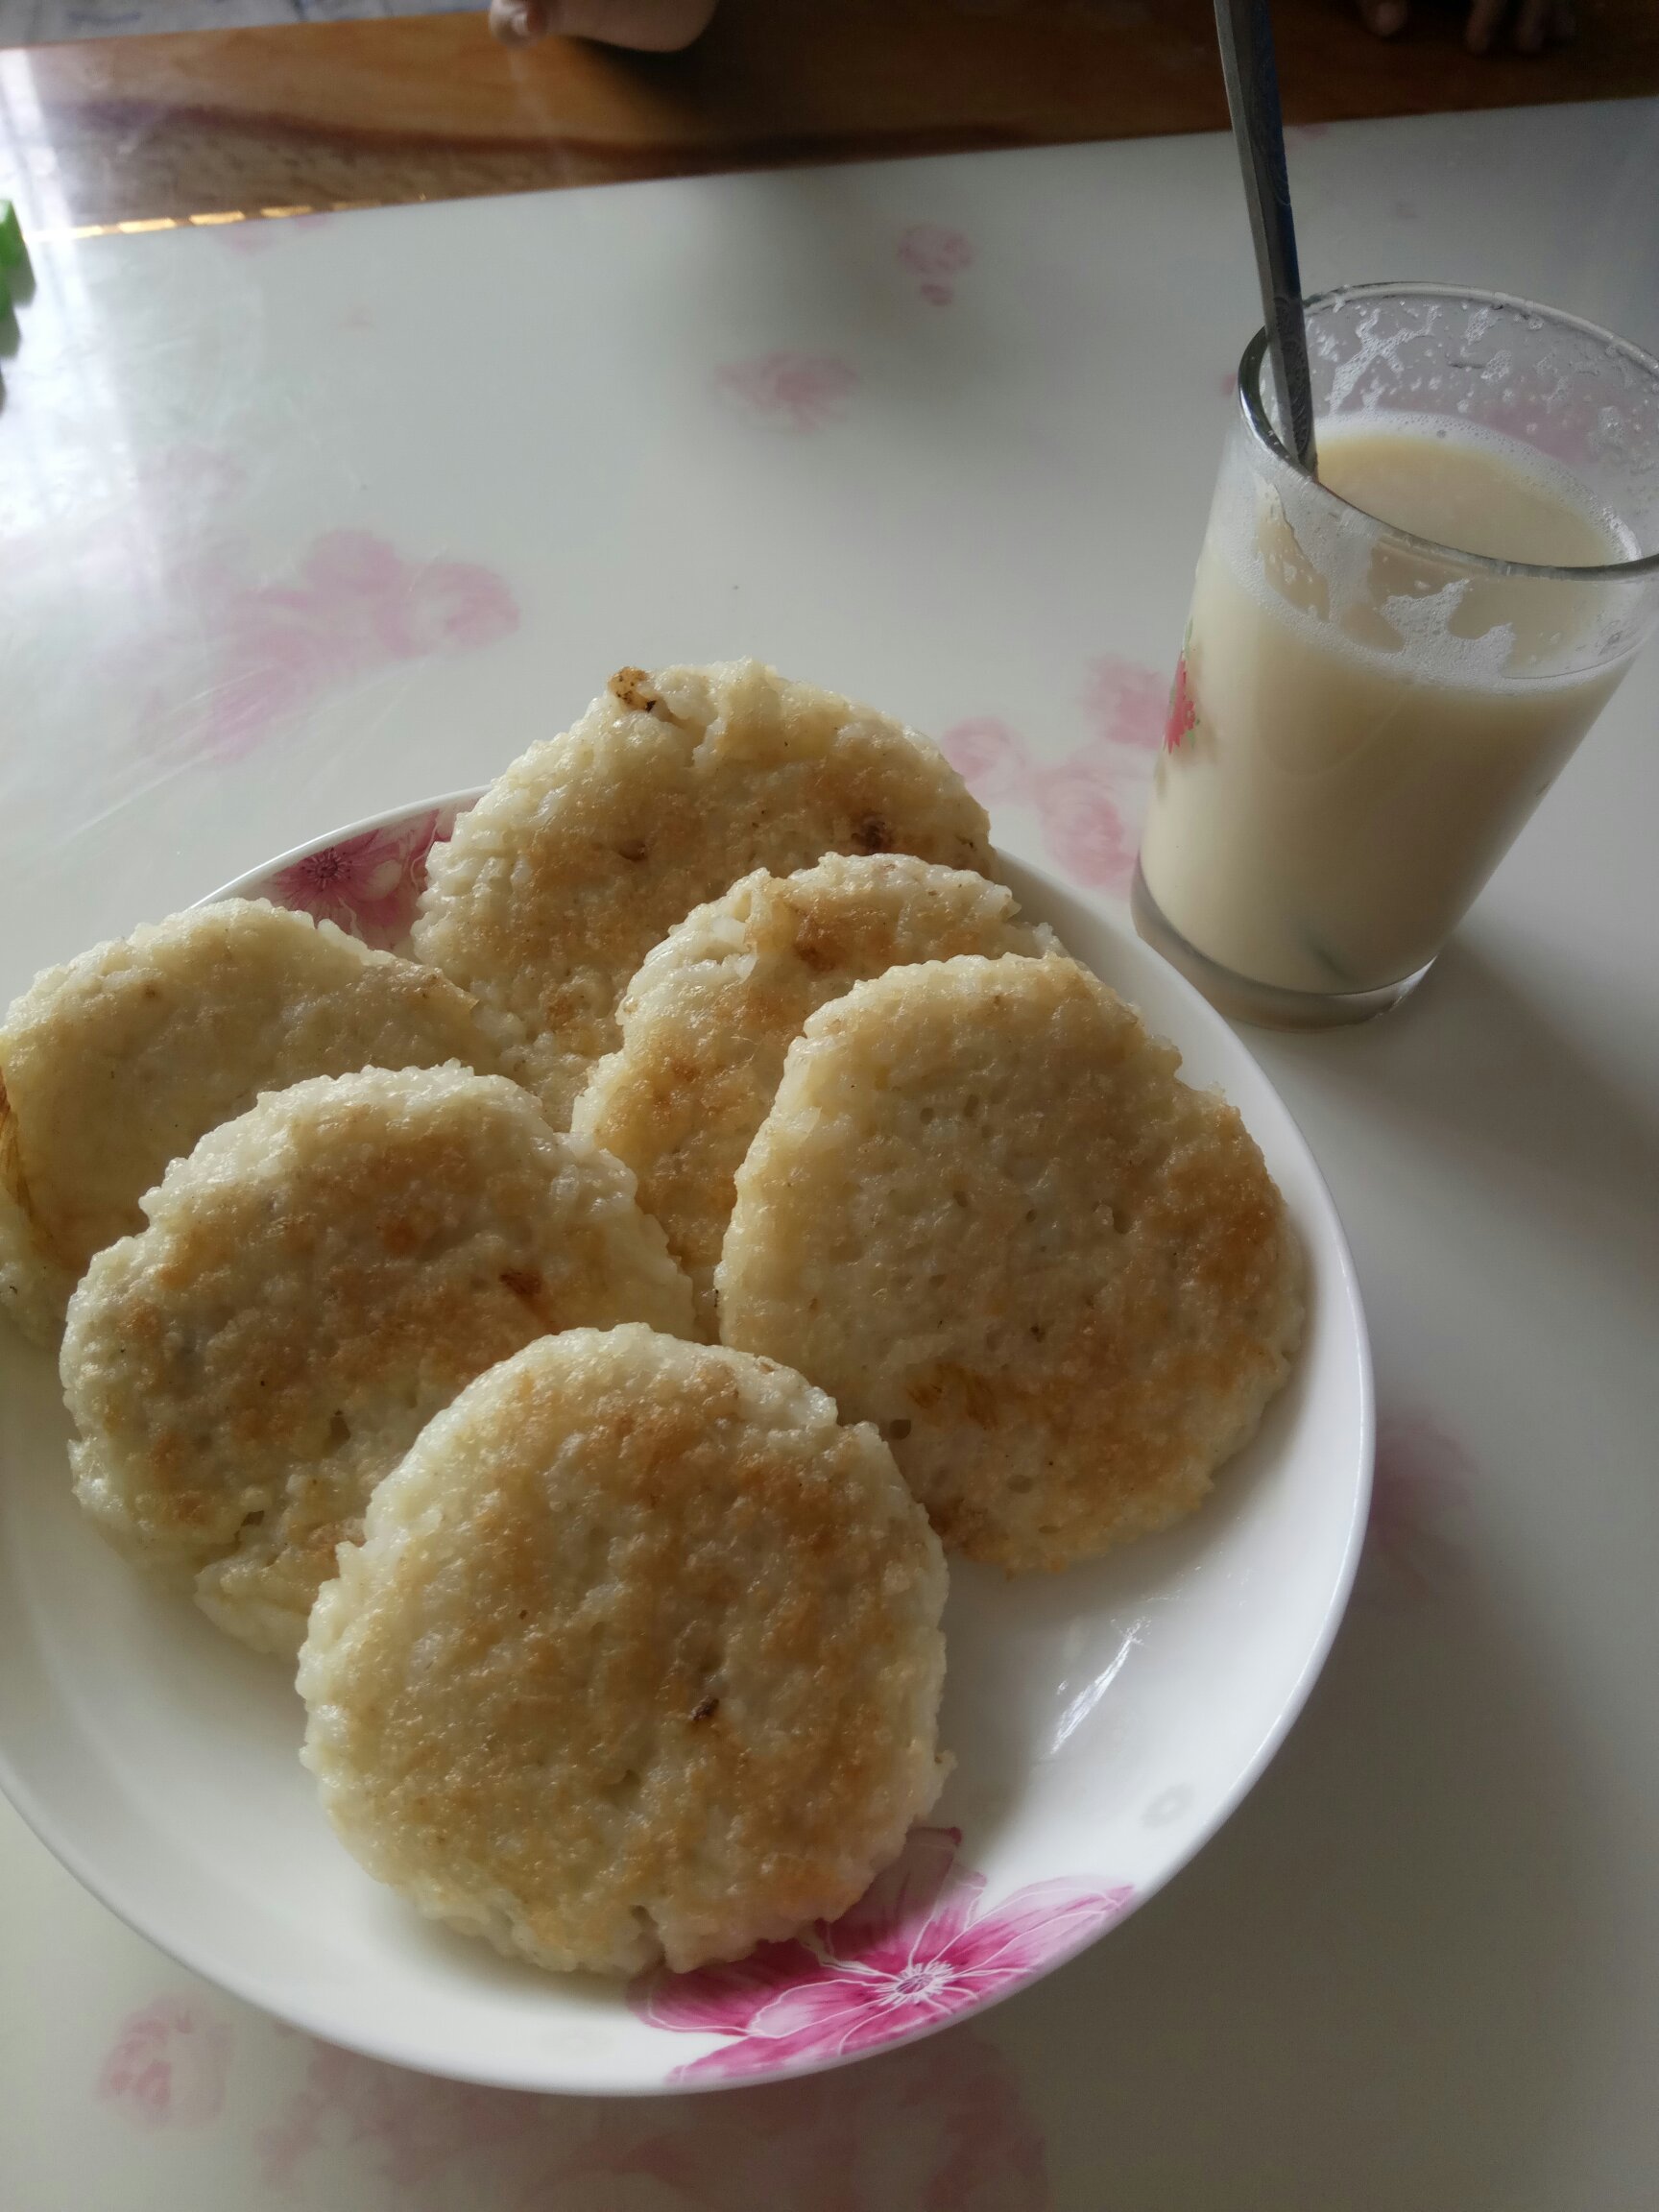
{"x": 1105, "y": 1721}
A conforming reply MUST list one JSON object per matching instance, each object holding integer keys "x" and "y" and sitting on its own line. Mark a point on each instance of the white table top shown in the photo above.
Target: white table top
{"x": 300, "y": 519}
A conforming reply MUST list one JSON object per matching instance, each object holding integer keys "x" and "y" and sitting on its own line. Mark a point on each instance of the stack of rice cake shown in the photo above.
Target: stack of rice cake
{"x": 574, "y": 1339}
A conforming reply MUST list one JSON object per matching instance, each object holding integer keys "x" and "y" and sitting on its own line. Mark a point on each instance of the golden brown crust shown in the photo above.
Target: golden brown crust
{"x": 641, "y": 1657}
{"x": 319, "y": 1278}
{"x": 986, "y": 1214}
{"x": 115, "y": 1064}
{"x": 707, "y": 1020}
{"x": 590, "y": 847}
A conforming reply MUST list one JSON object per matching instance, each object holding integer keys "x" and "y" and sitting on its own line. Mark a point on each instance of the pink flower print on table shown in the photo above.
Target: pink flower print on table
{"x": 940, "y": 2128}
{"x": 936, "y": 255}
{"x": 1089, "y": 804}
{"x": 168, "y": 2064}
{"x": 915, "y": 1952}
{"x": 1084, "y": 825}
{"x": 1413, "y": 1544}
{"x": 355, "y": 607}
{"x": 797, "y": 392}
{"x": 366, "y": 885}
{"x": 990, "y": 759}
{"x": 1125, "y": 702}
{"x": 423, "y": 2133}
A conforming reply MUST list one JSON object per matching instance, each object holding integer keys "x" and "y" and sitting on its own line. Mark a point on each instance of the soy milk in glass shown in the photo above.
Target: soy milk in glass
{"x": 1384, "y": 671}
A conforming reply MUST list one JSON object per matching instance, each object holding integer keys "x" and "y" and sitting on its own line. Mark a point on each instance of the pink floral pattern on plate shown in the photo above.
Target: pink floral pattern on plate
{"x": 1089, "y": 804}
{"x": 366, "y": 885}
{"x": 795, "y": 391}
{"x": 936, "y": 255}
{"x": 167, "y": 2065}
{"x": 914, "y": 1953}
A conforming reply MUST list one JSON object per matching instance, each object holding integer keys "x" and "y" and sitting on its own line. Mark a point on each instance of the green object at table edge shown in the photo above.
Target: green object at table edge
{"x": 13, "y": 249}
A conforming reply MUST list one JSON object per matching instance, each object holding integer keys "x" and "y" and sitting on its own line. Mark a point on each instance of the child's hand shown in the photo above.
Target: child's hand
{"x": 1538, "y": 23}
{"x": 661, "y": 25}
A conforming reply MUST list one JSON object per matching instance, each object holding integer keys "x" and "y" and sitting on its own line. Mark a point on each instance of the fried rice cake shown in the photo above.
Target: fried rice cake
{"x": 639, "y": 1659}
{"x": 116, "y": 1064}
{"x": 707, "y": 1020}
{"x": 589, "y": 848}
{"x": 985, "y": 1213}
{"x": 318, "y": 1277}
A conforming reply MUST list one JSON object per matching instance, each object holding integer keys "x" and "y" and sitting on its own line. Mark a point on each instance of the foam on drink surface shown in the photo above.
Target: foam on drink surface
{"x": 1366, "y": 725}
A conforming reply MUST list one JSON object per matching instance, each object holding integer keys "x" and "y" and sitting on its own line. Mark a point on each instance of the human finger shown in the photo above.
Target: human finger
{"x": 518, "y": 22}
{"x": 1385, "y": 18}
{"x": 657, "y": 25}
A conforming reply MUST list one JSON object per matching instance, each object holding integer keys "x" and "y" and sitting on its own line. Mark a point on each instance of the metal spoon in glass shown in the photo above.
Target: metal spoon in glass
{"x": 1245, "y": 30}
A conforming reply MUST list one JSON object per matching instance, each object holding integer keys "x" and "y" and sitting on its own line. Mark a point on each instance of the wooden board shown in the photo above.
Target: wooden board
{"x": 143, "y": 129}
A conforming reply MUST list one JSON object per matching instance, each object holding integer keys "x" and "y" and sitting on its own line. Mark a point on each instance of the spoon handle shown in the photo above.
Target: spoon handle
{"x": 1245, "y": 29}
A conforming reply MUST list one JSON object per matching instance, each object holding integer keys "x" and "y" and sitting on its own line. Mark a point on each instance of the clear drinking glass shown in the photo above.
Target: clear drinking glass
{"x": 1363, "y": 717}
